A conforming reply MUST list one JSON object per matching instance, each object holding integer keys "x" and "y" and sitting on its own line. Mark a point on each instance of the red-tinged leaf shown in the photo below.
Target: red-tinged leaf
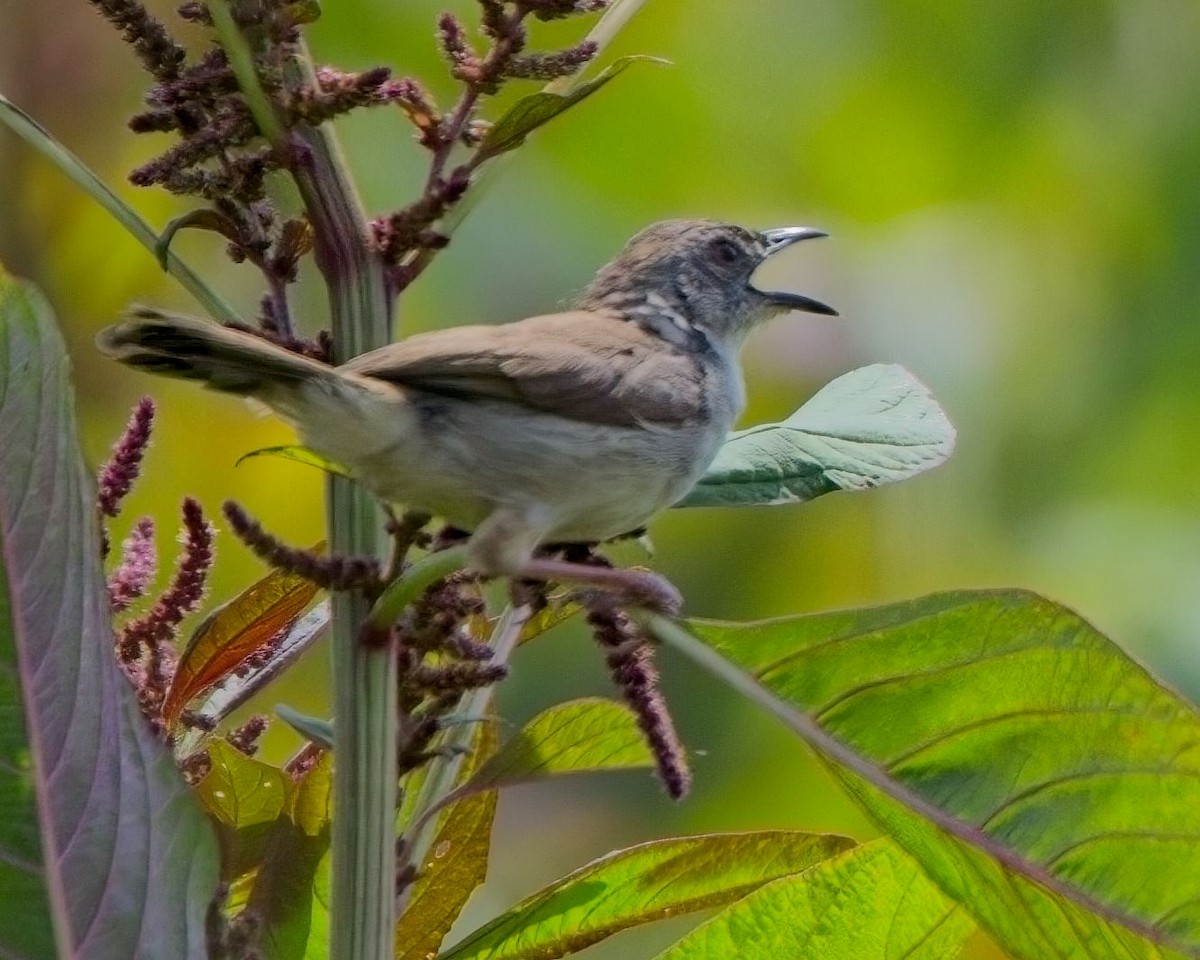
{"x": 234, "y": 689}
{"x": 104, "y": 854}
{"x": 235, "y": 632}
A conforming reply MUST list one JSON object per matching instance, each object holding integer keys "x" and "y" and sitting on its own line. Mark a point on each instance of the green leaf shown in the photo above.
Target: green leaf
{"x": 243, "y": 797}
{"x": 555, "y": 613}
{"x": 579, "y": 736}
{"x": 869, "y": 903}
{"x": 314, "y": 729}
{"x": 274, "y": 831}
{"x": 538, "y": 109}
{"x": 99, "y": 836}
{"x": 34, "y": 134}
{"x": 201, "y": 219}
{"x": 1041, "y": 777}
{"x": 298, "y": 454}
{"x": 457, "y": 861}
{"x": 872, "y": 426}
{"x": 652, "y": 881}
{"x": 286, "y": 896}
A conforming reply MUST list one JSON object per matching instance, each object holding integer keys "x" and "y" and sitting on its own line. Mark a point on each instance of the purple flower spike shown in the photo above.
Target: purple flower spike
{"x": 631, "y": 660}
{"x": 145, "y": 647}
{"x": 125, "y": 461}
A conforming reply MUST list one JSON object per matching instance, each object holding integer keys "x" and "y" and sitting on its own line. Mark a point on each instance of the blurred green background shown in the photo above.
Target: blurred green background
{"x": 1011, "y": 192}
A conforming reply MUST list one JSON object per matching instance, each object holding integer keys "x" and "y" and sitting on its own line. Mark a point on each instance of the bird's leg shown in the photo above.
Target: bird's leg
{"x": 504, "y": 543}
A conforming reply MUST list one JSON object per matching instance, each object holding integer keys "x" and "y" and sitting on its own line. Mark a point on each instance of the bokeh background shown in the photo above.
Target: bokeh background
{"x": 1011, "y": 189}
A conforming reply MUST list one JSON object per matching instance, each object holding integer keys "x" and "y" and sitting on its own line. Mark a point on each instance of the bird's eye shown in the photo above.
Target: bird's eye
{"x": 725, "y": 251}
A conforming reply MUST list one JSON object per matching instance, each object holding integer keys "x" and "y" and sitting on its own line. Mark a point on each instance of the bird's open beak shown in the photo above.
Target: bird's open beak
{"x": 778, "y": 239}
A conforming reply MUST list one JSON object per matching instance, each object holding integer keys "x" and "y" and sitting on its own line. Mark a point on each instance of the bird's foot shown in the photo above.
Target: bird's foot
{"x": 639, "y": 588}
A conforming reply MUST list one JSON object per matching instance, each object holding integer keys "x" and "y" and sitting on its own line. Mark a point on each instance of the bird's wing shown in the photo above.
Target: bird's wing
{"x": 578, "y": 365}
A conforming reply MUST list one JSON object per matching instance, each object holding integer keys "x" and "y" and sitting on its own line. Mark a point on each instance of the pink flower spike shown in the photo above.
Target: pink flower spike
{"x": 139, "y": 561}
{"x": 148, "y": 641}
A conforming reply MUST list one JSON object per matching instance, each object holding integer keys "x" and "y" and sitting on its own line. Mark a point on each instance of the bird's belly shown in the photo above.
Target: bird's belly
{"x": 463, "y": 460}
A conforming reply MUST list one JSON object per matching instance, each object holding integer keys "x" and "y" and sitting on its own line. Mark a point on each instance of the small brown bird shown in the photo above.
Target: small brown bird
{"x": 571, "y": 427}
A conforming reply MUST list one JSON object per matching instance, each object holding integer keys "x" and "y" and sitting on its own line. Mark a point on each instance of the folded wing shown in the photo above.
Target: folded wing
{"x": 578, "y": 365}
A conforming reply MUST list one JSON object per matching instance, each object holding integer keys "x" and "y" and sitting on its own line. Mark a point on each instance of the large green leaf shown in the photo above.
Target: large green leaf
{"x": 869, "y": 903}
{"x": 872, "y": 426}
{"x": 652, "y": 881}
{"x": 98, "y": 833}
{"x": 1039, "y": 775}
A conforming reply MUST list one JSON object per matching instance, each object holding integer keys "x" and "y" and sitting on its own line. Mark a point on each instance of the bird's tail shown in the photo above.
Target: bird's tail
{"x": 222, "y": 358}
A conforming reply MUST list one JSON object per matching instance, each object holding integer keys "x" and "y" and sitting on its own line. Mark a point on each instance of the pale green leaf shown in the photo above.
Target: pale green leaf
{"x": 652, "y": 881}
{"x": 869, "y": 903}
{"x": 315, "y": 729}
{"x": 239, "y": 791}
{"x": 297, "y": 454}
{"x": 872, "y": 426}
{"x": 578, "y": 736}
{"x": 1041, "y": 777}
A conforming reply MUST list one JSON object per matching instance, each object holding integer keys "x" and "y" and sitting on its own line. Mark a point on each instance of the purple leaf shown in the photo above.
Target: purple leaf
{"x": 100, "y": 840}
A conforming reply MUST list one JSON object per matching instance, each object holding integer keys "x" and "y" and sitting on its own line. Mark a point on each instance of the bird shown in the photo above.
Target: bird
{"x": 570, "y": 427}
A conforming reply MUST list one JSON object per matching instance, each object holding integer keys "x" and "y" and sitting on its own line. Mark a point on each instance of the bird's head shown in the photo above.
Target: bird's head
{"x": 698, "y": 273}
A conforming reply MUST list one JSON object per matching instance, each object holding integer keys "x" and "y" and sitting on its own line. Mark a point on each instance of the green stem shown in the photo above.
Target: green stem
{"x": 602, "y": 34}
{"x": 363, "y": 842}
{"x": 33, "y": 133}
{"x": 486, "y": 174}
{"x": 241, "y": 61}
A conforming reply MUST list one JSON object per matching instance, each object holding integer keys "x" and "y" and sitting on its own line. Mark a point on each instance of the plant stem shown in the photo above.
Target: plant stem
{"x": 484, "y": 173}
{"x": 602, "y": 34}
{"x": 241, "y": 61}
{"x": 365, "y": 776}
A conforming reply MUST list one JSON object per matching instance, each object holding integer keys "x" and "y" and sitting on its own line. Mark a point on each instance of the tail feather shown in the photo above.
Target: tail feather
{"x": 223, "y": 358}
